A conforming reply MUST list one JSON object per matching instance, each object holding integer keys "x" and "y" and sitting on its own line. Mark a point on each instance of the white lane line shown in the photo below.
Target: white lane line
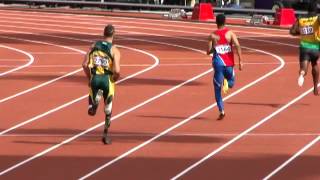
{"x": 273, "y": 42}
{"x": 44, "y": 66}
{"x": 242, "y": 134}
{"x": 292, "y": 158}
{"x": 151, "y": 34}
{"x": 131, "y": 38}
{"x": 77, "y": 100}
{"x": 189, "y": 118}
{"x": 102, "y": 123}
{"x": 144, "y": 65}
{"x": 134, "y": 38}
{"x": 54, "y": 53}
{"x": 31, "y": 60}
{"x": 173, "y": 24}
{"x": 174, "y": 134}
{"x": 14, "y": 60}
{"x": 156, "y": 62}
{"x": 58, "y": 78}
{"x": 45, "y": 83}
{"x": 122, "y": 26}
{"x": 144, "y": 23}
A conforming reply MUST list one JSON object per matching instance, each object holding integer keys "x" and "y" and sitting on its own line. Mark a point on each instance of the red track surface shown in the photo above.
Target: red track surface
{"x": 179, "y": 47}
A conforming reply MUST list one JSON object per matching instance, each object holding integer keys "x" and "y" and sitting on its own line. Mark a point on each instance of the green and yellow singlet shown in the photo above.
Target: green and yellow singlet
{"x": 309, "y": 27}
{"x": 100, "y": 58}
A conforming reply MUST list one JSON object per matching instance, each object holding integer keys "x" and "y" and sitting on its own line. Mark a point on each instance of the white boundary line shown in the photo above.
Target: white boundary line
{"x": 31, "y": 60}
{"x": 126, "y": 27}
{"x": 156, "y": 62}
{"x": 100, "y": 124}
{"x": 55, "y": 79}
{"x": 80, "y": 27}
{"x": 152, "y": 34}
{"x": 143, "y": 65}
{"x": 241, "y": 135}
{"x": 191, "y": 117}
{"x": 269, "y": 135}
{"x": 54, "y": 53}
{"x": 239, "y": 26}
{"x": 305, "y": 148}
{"x": 172, "y": 23}
{"x": 45, "y": 83}
{"x": 14, "y": 60}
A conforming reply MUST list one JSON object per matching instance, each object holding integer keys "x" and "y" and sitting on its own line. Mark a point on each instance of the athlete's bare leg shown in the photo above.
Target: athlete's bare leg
{"x": 315, "y": 77}
{"x": 303, "y": 71}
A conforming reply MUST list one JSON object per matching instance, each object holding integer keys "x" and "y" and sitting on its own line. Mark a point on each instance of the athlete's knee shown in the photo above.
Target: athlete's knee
{"x": 217, "y": 83}
{"x": 108, "y": 109}
{"x": 108, "y": 106}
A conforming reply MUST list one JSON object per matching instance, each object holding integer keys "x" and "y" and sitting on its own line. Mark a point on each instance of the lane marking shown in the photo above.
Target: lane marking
{"x": 131, "y": 38}
{"x": 132, "y": 150}
{"x": 152, "y": 34}
{"x": 98, "y": 125}
{"x": 156, "y": 62}
{"x": 102, "y": 123}
{"x": 31, "y": 60}
{"x": 113, "y": 134}
{"x": 143, "y": 65}
{"x": 58, "y": 78}
{"x": 124, "y": 26}
{"x": 45, "y": 83}
{"x": 172, "y": 24}
{"x": 54, "y": 53}
{"x": 242, "y": 134}
{"x": 292, "y": 158}
{"x": 14, "y": 60}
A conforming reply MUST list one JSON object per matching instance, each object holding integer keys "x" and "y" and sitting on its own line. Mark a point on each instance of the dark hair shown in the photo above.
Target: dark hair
{"x": 220, "y": 20}
{"x": 108, "y": 31}
{"x": 312, "y": 7}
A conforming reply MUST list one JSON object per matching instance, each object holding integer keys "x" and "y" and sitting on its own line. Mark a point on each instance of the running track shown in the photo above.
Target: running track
{"x": 164, "y": 120}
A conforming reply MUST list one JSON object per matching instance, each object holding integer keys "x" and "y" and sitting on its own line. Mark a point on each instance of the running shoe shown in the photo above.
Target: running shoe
{"x": 300, "y": 80}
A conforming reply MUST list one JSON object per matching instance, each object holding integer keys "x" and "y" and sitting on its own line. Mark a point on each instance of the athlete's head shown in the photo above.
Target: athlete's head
{"x": 220, "y": 20}
{"x": 312, "y": 7}
{"x": 108, "y": 31}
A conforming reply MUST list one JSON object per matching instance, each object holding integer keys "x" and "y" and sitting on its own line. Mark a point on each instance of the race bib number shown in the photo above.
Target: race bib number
{"x": 223, "y": 49}
{"x": 100, "y": 61}
{"x": 306, "y": 30}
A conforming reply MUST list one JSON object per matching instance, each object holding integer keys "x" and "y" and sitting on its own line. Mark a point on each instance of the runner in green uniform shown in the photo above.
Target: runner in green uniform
{"x": 102, "y": 67}
{"x": 308, "y": 28}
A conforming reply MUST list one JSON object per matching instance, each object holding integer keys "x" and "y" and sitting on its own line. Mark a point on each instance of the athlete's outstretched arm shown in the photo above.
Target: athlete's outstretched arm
{"x": 236, "y": 43}
{"x": 212, "y": 40}
{"x": 294, "y": 30}
{"x": 85, "y": 67}
{"x": 116, "y": 63}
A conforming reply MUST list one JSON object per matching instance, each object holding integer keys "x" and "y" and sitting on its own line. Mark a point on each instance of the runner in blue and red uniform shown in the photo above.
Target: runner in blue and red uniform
{"x": 221, "y": 43}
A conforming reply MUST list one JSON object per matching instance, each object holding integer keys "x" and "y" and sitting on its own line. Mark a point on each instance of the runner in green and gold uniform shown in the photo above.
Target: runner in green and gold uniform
{"x": 102, "y": 67}
{"x": 308, "y": 28}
